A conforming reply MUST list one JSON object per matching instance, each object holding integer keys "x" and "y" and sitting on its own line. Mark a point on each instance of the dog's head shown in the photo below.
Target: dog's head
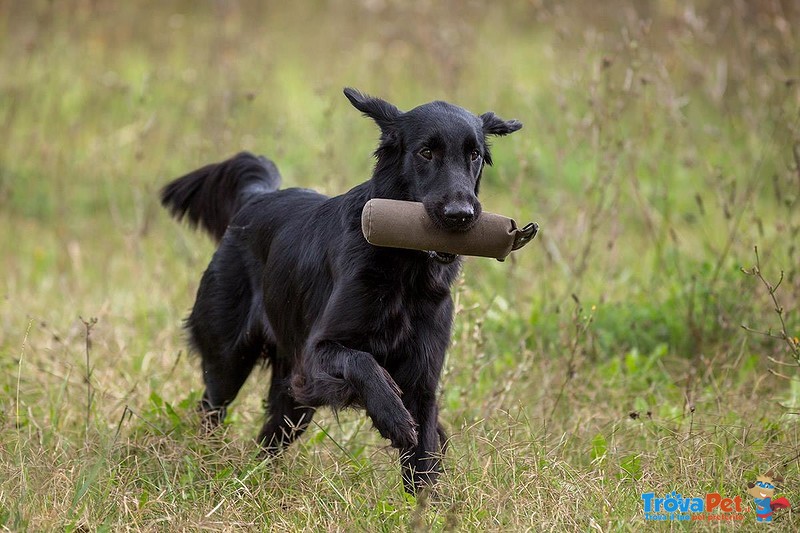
{"x": 433, "y": 154}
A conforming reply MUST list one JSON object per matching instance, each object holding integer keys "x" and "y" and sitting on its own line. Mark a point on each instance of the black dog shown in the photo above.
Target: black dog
{"x": 341, "y": 322}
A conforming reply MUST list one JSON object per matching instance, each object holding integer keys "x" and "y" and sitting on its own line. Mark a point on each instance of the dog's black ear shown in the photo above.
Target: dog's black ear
{"x": 494, "y": 125}
{"x": 381, "y": 111}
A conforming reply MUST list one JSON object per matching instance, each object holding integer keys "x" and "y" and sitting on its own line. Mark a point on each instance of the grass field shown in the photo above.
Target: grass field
{"x": 605, "y": 360}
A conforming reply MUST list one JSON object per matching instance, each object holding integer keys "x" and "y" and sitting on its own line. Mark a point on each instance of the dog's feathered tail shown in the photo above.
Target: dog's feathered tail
{"x": 210, "y": 196}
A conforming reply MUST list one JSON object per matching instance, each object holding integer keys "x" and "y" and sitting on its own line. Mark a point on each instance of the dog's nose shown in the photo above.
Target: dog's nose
{"x": 459, "y": 212}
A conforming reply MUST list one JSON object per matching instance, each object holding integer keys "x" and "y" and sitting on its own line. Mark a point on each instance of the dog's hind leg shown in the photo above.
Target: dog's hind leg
{"x": 228, "y": 328}
{"x": 286, "y": 419}
{"x": 224, "y": 376}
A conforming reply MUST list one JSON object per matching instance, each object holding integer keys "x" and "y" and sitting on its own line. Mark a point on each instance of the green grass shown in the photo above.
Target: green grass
{"x": 606, "y": 359}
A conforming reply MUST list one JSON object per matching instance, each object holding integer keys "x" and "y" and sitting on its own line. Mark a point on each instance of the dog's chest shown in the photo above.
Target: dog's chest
{"x": 407, "y": 322}
{"x": 395, "y": 335}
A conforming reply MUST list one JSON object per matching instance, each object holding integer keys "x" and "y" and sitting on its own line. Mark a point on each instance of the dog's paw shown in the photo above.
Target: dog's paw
{"x": 405, "y": 439}
{"x": 210, "y": 417}
{"x": 397, "y": 425}
{"x": 401, "y": 431}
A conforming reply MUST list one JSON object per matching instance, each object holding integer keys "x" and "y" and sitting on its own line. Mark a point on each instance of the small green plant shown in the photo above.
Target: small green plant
{"x": 791, "y": 341}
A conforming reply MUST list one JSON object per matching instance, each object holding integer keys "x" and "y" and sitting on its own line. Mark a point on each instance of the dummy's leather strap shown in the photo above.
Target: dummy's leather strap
{"x": 398, "y": 224}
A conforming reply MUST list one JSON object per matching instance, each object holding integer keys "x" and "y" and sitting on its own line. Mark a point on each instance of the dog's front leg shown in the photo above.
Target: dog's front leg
{"x": 338, "y": 376}
{"x": 422, "y": 463}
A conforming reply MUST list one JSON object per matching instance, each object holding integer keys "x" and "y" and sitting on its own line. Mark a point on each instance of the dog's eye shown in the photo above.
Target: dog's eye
{"x": 474, "y": 155}
{"x": 426, "y": 153}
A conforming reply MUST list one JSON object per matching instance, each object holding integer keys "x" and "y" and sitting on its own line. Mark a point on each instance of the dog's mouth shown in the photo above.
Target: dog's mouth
{"x": 442, "y": 257}
{"x": 457, "y": 225}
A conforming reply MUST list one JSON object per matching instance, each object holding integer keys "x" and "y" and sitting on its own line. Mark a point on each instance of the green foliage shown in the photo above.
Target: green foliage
{"x": 661, "y": 144}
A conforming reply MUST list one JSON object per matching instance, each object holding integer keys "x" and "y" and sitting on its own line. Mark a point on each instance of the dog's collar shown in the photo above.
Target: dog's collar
{"x": 442, "y": 257}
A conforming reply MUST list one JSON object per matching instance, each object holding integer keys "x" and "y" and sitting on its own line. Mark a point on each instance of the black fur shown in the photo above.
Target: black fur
{"x": 341, "y": 322}
{"x": 211, "y": 195}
